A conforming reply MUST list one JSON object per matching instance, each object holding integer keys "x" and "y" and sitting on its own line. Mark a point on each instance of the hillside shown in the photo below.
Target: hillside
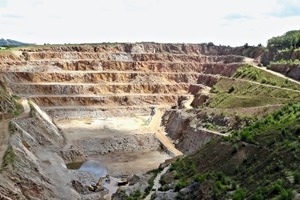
{"x": 11, "y": 43}
{"x": 258, "y": 162}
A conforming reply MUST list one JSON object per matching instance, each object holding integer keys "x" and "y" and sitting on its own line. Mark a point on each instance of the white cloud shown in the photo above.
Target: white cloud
{"x": 78, "y": 21}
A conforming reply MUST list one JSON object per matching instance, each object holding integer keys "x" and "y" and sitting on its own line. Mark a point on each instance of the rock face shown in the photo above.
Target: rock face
{"x": 290, "y": 70}
{"x": 179, "y": 128}
{"x": 62, "y": 78}
{"x": 275, "y": 55}
{"x": 23, "y": 175}
{"x": 131, "y": 143}
{"x": 8, "y": 104}
{"x": 192, "y": 129}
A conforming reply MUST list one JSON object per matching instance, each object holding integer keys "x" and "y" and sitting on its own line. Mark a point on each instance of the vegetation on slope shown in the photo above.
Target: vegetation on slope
{"x": 231, "y": 93}
{"x": 8, "y": 103}
{"x": 258, "y": 162}
{"x": 289, "y": 40}
{"x": 285, "y": 62}
{"x": 8, "y": 159}
{"x": 248, "y": 72}
{"x": 252, "y": 87}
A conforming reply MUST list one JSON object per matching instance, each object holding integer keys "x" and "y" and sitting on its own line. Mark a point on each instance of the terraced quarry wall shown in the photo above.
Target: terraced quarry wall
{"x": 101, "y": 99}
{"x": 121, "y": 76}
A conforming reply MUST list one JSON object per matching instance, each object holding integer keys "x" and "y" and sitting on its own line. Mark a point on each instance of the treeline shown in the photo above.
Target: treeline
{"x": 289, "y": 40}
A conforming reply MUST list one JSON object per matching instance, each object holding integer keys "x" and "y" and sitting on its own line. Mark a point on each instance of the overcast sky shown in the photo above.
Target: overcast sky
{"x": 227, "y": 22}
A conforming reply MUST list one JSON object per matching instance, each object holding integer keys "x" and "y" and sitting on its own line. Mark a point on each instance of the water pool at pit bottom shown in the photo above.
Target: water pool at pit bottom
{"x": 92, "y": 166}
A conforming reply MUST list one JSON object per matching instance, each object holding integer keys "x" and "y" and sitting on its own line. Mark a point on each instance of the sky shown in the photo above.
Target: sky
{"x": 230, "y": 22}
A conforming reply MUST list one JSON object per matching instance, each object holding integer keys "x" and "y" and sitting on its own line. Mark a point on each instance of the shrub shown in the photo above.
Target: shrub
{"x": 12, "y": 127}
{"x": 231, "y": 89}
{"x": 9, "y": 157}
{"x": 180, "y": 184}
{"x": 247, "y": 71}
{"x": 239, "y": 194}
{"x": 257, "y": 196}
{"x": 296, "y": 175}
{"x": 235, "y": 148}
{"x": 136, "y": 195}
{"x": 199, "y": 178}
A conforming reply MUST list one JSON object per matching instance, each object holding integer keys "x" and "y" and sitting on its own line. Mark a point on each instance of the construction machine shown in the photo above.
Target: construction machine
{"x": 153, "y": 110}
{"x": 123, "y": 181}
{"x": 107, "y": 178}
{"x": 97, "y": 186}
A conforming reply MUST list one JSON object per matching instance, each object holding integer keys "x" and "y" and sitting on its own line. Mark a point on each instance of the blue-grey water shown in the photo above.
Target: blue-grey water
{"x": 91, "y": 166}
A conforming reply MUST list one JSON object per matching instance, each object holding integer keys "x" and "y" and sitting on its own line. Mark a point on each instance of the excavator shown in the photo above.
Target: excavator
{"x": 98, "y": 186}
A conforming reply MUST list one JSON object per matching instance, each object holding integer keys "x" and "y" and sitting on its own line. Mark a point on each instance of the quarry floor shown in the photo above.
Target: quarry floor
{"x": 117, "y": 163}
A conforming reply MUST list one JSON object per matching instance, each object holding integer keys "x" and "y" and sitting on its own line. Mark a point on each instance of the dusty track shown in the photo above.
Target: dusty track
{"x": 157, "y": 184}
{"x": 161, "y": 135}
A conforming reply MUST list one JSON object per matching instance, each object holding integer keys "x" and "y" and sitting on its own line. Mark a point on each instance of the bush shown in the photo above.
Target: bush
{"x": 9, "y": 157}
{"x": 239, "y": 194}
{"x": 180, "y": 184}
{"x": 199, "y": 178}
{"x": 135, "y": 195}
{"x": 247, "y": 71}
{"x": 231, "y": 89}
{"x": 235, "y": 148}
{"x": 286, "y": 195}
{"x": 296, "y": 175}
{"x": 257, "y": 197}
{"x": 12, "y": 127}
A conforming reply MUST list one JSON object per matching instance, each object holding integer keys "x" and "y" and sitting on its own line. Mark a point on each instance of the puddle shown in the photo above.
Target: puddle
{"x": 74, "y": 165}
{"x": 91, "y": 166}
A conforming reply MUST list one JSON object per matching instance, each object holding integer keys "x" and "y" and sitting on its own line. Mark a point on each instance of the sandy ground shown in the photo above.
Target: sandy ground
{"x": 117, "y": 163}
{"x": 75, "y": 129}
{"x": 130, "y": 163}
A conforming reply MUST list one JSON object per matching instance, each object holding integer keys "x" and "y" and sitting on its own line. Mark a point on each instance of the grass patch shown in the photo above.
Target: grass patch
{"x": 252, "y": 73}
{"x": 9, "y": 158}
{"x": 286, "y": 62}
{"x": 136, "y": 195}
{"x": 247, "y": 94}
{"x": 279, "y": 121}
{"x": 247, "y": 72}
{"x": 10, "y": 103}
{"x": 12, "y": 127}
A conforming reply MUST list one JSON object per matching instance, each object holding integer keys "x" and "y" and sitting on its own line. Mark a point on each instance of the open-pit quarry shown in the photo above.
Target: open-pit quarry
{"x": 102, "y": 104}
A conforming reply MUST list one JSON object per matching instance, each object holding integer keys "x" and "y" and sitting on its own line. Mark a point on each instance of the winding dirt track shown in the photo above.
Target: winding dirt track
{"x": 161, "y": 135}
{"x": 157, "y": 184}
